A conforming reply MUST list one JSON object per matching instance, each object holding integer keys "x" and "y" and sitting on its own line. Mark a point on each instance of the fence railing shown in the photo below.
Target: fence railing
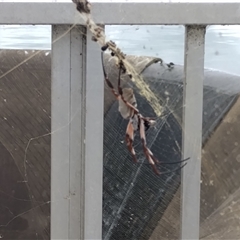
{"x": 76, "y": 172}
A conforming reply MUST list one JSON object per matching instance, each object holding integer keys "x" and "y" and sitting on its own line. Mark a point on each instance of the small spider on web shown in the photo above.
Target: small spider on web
{"x": 125, "y": 96}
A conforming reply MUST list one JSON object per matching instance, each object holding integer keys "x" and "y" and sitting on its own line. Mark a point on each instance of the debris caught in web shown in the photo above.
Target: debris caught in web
{"x": 97, "y": 30}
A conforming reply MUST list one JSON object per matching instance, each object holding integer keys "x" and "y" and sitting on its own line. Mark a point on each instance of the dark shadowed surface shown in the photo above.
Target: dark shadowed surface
{"x": 128, "y": 219}
{"x": 220, "y": 160}
{"x": 25, "y": 156}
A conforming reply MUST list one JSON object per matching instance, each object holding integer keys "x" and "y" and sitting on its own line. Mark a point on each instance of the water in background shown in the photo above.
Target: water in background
{"x": 222, "y": 50}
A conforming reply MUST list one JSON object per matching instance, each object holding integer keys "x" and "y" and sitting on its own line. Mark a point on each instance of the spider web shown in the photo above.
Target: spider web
{"x": 137, "y": 204}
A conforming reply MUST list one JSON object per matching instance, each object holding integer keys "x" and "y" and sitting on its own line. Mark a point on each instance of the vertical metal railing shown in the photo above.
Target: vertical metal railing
{"x": 94, "y": 142}
{"x": 68, "y": 76}
{"x": 192, "y": 130}
{"x": 77, "y": 135}
{"x": 60, "y": 142}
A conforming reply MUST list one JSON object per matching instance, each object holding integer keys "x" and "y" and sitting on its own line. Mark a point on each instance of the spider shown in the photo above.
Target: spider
{"x": 137, "y": 122}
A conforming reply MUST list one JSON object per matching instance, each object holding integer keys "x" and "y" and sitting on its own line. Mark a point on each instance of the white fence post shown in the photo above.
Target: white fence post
{"x": 94, "y": 142}
{"x": 68, "y": 127}
{"x": 192, "y": 130}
